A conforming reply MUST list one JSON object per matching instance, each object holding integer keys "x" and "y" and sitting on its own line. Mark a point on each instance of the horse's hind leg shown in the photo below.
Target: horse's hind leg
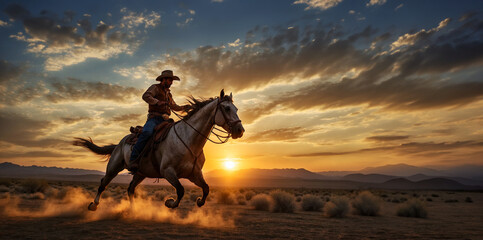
{"x": 172, "y": 178}
{"x": 199, "y": 181}
{"x": 114, "y": 166}
{"x": 136, "y": 180}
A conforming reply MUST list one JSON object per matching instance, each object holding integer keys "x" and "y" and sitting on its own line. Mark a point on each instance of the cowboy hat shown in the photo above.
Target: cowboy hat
{"x": 167, "y": 74}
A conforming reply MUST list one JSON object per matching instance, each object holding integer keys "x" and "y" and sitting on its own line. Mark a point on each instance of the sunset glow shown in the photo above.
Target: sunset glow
{"x": 229, "y": 165}
{"x": 339, "y": 86}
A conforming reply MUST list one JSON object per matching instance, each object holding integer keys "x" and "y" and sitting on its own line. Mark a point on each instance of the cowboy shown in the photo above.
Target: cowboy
{"x": 161, "y": 102}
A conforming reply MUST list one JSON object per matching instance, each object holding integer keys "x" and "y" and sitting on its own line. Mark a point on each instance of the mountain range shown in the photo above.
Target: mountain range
{"x": 398, "y": 176}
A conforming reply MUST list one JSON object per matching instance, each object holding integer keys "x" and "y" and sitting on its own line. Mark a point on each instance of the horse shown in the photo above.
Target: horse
{"x": 180, "y": 155}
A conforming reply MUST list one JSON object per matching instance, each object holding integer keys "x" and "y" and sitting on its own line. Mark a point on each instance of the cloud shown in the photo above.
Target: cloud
{"x": 404, "y": 149}
{"x": 399, "y": 6}
{"x": 410, "y": 39}
{"x": 9, "y": 71}
{"x": 327, "y": 68}
{"x": 318, "y": 4}
{"x": 126, "y": 117}
{"x": 75, "y": 90}
{"x": 20, "y": 130}
{"x": 385, "y": 138}
{"x": 33, "y": 154}
{"x": 133, "y": 19}
{"x": 375, "y": 2}
{"x": 281, "y": 134}
{"x": 236, "y": 43}
{"x": 3, "y": 23}
{"x": 62, "y": 43}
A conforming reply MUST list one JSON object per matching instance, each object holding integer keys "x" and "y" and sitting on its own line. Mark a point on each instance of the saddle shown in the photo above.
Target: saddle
{"x": 160, "y": 132}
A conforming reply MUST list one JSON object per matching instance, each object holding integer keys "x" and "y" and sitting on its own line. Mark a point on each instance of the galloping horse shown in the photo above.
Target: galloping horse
{"x": 180, "y": 155}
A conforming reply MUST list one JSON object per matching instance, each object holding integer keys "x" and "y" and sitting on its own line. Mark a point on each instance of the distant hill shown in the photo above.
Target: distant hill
{"x": 401, "y": 170}
{"x": 267, "y": 173}
{"x": 370, "y": 178}
{"x": 8, "y": 169}
{"x": 280, "y": 178}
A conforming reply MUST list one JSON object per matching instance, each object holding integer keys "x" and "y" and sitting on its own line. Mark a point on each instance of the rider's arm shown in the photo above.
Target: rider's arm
{"x": 175, "y": 106}
{"x": 148, "y": 96}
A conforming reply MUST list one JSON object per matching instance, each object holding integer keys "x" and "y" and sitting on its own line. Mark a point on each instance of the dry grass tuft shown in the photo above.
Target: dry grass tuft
{"x": 312, "y": 203}
{"x": 337, "y": 207}
{"x": 412, "y": 208}
{"x": 366, "y": 204}
{"x": 282, "y": 201}
{"x": 225, "y": 197}
{"x": 261, "y": 202}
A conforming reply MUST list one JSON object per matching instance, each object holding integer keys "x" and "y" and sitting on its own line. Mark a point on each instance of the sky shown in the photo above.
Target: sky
{"x": 324, "y": 85}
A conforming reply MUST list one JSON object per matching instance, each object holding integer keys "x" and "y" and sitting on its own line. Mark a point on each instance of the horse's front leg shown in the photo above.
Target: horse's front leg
{"x": 172, "y": 178}
{"x": 199, "y": 181}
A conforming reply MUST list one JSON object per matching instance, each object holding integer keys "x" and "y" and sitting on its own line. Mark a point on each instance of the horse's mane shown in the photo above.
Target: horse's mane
{"x": 197, "y": 104}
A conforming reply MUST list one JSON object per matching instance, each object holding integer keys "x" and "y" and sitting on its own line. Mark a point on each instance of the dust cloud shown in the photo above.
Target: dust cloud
{"x": 73, "y": 202}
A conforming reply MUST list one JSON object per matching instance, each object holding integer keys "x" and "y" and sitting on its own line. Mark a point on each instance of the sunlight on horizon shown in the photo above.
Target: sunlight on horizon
{"x": 229, "y": 164}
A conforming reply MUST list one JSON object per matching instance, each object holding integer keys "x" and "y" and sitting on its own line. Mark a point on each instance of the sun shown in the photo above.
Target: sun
{"x": 229, "y": 165}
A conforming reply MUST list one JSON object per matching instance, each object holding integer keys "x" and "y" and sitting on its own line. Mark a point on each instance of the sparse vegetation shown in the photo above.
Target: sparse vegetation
{"x": 468, "y": 200}
{"x": 337, "y": 207}
{"x": 260, "y": 202}
{"x": 4, "y": 188}
{"x": 240, "y": 199}
{"x": 312, "y": 203}
{"x": 412, "y": 208}
{"x": 33, "y": 186}
{"x": 225, "y": 197}
{"x": 282, "y": 202}
{"x": 366, "y": 204}
{"x": 451, "y": 201}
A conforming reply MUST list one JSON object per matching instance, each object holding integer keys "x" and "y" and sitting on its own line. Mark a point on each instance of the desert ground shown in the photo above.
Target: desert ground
{"x": 40, "y": 209}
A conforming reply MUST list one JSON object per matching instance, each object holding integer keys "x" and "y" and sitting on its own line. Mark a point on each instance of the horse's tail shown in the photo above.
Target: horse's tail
{"x": 89, "y": 144}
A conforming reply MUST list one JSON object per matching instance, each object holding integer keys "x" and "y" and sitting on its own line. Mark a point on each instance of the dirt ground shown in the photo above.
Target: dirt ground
{"x": 57, "y": 214}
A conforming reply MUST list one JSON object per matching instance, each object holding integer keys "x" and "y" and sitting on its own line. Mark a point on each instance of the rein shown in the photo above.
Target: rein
{"x": 225, "y": 138}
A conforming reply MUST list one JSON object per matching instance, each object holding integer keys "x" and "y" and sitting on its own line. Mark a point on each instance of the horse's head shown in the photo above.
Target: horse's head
{"x": 227, "y": 117}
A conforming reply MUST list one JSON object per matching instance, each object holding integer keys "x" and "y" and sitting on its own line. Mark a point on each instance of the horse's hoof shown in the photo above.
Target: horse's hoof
{"x": 170, "y": 203}
{"x": 92, "y": 206}
{"x": 199, "y": 202}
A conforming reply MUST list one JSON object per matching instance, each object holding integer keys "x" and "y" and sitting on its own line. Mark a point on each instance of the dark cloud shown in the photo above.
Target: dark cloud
{"x": 280, "y": 134}
{"x": 9, "y": 71}
{"x": 126, "y": 117}
{"x": 416, "y": 84}
{"x": 75, "y": 90}
{"x": 20, "y": 130}
{"x": 34, "y": 154}
{"x": 386, "y": 138}
{"x": 405, "y": 149}
{"x": 288, "y": 54}
{"x": 71, "y": 120}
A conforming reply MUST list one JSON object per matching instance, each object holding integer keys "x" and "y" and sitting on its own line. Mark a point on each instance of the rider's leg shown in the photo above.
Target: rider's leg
{"x": 148, "y": 130}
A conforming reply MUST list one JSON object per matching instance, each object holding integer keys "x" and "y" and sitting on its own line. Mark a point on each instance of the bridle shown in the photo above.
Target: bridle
{"x": 222, "y": 139}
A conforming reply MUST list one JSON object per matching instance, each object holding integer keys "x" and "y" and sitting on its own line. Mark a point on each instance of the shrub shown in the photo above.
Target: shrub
{"x": 33, "y": 186}
{"x": 260, "y": 202}
{"x": 282, "y": 201}
{"x": 37, "y": 195}
{"x": 366, "y": 204}
{"x": 412, "y": 208}
{"x": 468, "y": 200}
{"x": 4, "y": 188}
{"x": 451, "y": 201}
{"x": 249, "y": 195}
{"x": 337, "y": 207}
{"x": 429, "y": 199}
{"x": 241, "y": 200}
{"x": 5, "y": 182}
{"x": 225, "y": 197}
{"x": 312, "y": 203}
